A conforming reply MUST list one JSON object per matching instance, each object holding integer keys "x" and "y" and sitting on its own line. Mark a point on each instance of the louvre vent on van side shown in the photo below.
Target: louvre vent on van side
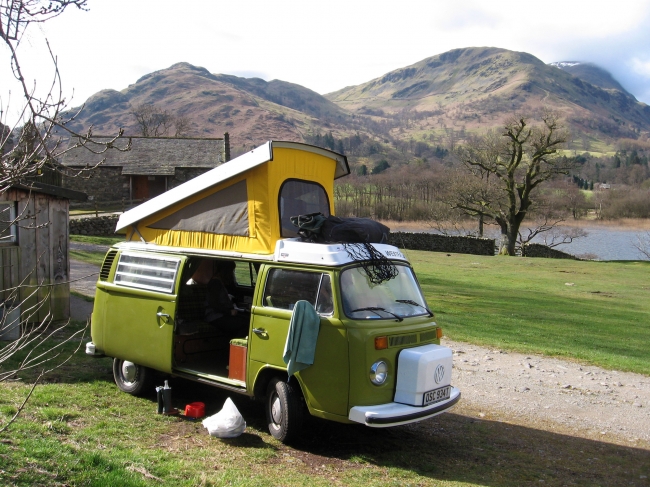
{"x": 399, "y": 340}
{"x": 106, "y": 266}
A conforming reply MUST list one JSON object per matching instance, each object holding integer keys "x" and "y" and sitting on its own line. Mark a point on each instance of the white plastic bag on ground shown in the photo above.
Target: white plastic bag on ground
{"x": 227, "y": 423}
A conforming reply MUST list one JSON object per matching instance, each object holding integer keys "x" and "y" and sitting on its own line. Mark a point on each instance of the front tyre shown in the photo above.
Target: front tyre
{"x": 132, "y": 378}
{"x": 284, "y": 410}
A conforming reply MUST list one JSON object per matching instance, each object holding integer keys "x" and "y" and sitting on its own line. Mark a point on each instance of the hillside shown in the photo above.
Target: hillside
{"x": 478, "y": 88}
{"x": 252, "y": 111}
{"x": 420, "y": 110}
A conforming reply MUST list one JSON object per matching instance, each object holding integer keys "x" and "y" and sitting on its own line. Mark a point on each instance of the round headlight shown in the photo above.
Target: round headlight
{"x": 379, "y": 373}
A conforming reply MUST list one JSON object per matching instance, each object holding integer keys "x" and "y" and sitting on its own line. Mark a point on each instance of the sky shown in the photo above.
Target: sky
{"x": 324, "y": 46}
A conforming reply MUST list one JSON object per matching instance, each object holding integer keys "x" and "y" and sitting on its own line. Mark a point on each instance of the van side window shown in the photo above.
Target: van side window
{"x": 145, "y": 272}
{"x": 246, "y": 273}
{"x": 324, "y": 303}
{"x": 285, "y": 287}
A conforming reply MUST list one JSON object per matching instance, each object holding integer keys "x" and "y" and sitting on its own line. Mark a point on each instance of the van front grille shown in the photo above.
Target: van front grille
{"x": 399, "y": 340}
{"x": 106, "y": 266}
{"x": 428, "y": 335}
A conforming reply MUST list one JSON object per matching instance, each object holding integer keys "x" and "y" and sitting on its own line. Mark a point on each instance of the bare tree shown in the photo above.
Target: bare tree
{"x": 475, "y": 197}
{"x": 182, "y": 126}
{"x": 547, "y": 226}
{"x": 44, "y": 138}
{"x": 152, "y": 121}
{"x": 518, "y": 161}
{"x": 551, "y": 208}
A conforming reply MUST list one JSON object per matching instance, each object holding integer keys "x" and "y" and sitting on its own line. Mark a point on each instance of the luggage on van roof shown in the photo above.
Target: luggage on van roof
{"x": 244, "y": 205}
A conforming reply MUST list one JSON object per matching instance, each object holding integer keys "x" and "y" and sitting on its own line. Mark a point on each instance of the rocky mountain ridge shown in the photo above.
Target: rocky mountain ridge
{"x": 433, "y": 104}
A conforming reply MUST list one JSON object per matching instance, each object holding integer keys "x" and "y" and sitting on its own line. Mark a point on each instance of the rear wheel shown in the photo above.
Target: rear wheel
{"x": 284, "y": 410}
{"x": 132, "y": 378}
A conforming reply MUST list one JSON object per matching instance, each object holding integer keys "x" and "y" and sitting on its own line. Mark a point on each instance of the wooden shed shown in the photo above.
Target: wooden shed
{"x": 34, "y": 249}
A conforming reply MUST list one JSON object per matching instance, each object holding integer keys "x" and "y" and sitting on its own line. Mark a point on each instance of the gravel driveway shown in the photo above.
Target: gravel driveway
{"x": 545, "y": 392}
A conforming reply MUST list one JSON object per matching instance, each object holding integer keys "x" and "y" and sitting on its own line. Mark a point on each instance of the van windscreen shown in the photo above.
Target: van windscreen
{"x": 396, "y": 298}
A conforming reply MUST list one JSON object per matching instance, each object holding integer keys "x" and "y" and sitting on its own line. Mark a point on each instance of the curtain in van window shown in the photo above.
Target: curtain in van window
{"x": 224, "y": 212}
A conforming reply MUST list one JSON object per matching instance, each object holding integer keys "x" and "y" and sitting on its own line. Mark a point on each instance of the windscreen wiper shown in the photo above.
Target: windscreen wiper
{"x": 375, "y": 309}
{"x": 410, "y": 301}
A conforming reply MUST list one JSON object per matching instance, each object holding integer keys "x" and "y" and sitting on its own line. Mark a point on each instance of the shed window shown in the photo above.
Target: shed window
{"x": 144, "y": 272}
{"x": 7, "y": 223}
{"x": 300, "y": 198}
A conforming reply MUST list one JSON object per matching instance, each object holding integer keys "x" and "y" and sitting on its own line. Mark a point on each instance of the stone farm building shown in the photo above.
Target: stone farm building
{"x": 152, "y": 165}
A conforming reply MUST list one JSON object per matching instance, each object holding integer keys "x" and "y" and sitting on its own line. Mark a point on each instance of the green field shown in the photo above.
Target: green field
{"x": 597, "y": 312}
{"x": 78, "y": 429}
{"x": 89, "y": 239}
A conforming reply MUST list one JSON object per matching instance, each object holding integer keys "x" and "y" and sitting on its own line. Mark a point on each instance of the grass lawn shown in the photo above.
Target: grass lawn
{"x": 90, "y": 257}
{"x": 598, "y": 312}
{"x": 96, "y": 240}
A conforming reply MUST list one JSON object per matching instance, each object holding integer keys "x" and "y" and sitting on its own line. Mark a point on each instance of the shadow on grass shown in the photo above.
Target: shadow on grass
{"x": 453, "y": 447}
{"x": 450, "y": 447}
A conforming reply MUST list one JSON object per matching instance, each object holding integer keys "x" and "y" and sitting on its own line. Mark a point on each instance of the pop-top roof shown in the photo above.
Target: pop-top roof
{"x": 222, "y": 173}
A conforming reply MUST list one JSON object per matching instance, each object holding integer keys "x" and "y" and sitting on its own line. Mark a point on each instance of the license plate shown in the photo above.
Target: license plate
{"x": 436, "y": 395}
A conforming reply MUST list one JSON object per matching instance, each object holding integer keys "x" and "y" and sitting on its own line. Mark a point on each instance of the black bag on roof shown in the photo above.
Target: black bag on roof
{"x": 330, "y": 229}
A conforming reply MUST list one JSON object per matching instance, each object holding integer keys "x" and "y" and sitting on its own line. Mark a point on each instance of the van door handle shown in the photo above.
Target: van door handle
{"x": 260, "y": 331}
{"x": 165, "y": 317}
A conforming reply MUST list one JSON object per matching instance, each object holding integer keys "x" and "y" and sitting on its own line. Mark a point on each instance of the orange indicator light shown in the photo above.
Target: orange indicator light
{"x": 381, "y": 343}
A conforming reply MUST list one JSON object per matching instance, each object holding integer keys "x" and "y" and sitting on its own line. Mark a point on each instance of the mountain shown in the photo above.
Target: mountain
{"x": 591, "y": 73}
{"x": 420, "y": 111}
{"x": 479, "y": 88}
{"x": 252, "y": 111}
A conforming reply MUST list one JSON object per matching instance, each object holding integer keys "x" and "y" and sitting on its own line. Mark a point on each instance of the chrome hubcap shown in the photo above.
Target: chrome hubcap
{"x": 276, "y": 410}
{"x": 129, "y": 371}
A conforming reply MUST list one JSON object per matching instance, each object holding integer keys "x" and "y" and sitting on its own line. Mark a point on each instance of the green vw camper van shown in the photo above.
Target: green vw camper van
{"x": 376, "y": 358}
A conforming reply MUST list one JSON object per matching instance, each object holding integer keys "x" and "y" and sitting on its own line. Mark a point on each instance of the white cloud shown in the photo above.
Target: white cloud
{"x": 641, "y": 67}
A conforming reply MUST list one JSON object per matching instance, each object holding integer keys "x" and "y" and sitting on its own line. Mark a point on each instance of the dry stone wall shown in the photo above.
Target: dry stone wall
{"x": 538, "y": 250}
{"x": 442, "y": 243}
{"x": 103, "y": 226}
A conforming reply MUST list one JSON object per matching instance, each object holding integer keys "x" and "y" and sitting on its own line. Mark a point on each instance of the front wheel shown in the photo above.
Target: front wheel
{"x": 132, "y": 378}
{"x": 284, "y": 410}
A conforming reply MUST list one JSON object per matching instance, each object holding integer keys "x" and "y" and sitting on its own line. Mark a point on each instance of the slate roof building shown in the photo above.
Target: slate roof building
{"x": 152, "y": 166}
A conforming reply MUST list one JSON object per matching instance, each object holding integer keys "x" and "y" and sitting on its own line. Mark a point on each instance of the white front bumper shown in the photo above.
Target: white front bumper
{"x": 394, "y": 414}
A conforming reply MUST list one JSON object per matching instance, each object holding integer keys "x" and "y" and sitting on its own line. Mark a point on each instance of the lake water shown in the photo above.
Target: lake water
{"x": 606, "y": 244}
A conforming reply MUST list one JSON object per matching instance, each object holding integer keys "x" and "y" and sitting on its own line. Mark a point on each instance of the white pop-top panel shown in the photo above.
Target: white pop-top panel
{"x": 294, "y": 250}
{"x": 221, "y": 173}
